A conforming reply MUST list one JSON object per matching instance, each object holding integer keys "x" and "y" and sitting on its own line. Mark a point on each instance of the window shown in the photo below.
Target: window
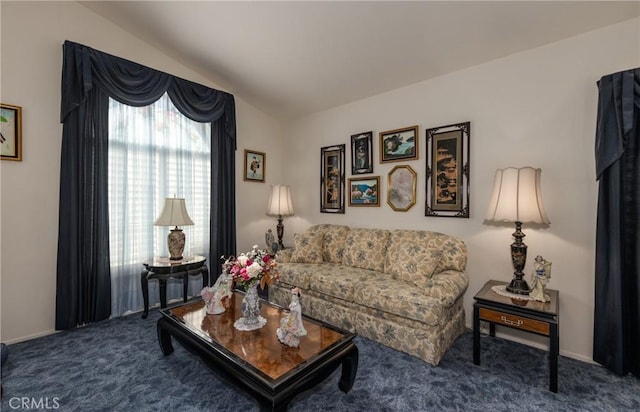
{"x": 154, "y": 152}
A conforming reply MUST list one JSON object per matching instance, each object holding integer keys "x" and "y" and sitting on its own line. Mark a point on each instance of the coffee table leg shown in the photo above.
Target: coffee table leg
{"x": 164, "y": 338}
{"x": 349, "y": 370}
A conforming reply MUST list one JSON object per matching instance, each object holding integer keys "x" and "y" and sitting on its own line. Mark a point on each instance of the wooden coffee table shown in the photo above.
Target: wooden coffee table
{"x": 256, "y": 361}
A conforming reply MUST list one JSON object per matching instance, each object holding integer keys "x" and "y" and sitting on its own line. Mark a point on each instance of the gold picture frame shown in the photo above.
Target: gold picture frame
{"x": 364, "y": 191}
{"x": 10, "y": 132}
{"x": 399, "y": 145}
{"x": 255, "y": 164}
{"x": 401, "y": 188}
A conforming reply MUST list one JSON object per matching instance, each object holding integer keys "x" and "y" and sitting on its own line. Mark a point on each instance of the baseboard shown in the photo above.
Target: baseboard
{"x": 29, "y": 337}
{"x": 485, "y": 332}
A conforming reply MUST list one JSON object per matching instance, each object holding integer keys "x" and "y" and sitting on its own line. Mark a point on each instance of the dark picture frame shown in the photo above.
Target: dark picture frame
{"x": 447, "y": 183}
{"x": 362, "y": 153}
{"x": 10, "y": 132}
{"x": 255, "y": 164}
{"x": 332, "y": 179}
{"x": 401, "y": 188}
{"x": 364, "y": 191}
{"x": 399, "y": 145}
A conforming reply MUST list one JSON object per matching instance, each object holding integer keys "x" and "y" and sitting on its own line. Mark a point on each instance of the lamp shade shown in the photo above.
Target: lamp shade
{"x": 517, "y": 197}
{"x": 174, "y": 214}
{"x": 280, "y": 203}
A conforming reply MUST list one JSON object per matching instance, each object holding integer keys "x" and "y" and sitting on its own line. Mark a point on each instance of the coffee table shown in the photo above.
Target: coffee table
{"x": 256, "y": 361}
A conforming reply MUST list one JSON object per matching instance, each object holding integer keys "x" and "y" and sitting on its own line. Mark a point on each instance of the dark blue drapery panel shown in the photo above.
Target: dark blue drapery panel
{"x": 89, "y": 78}
{"x": 616, "y": 339}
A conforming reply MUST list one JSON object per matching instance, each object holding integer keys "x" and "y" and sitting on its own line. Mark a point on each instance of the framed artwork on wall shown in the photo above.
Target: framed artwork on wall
{"x": 364, "y": 191}
{"x": 399, "y": 145}
{"x": 254, "y": 166}
{"x": 10, "y": 132}
{"x": 332, "y": 179}
{"x": 448, "y": 170}
{"x": 401, "y": 188}
{"x": 361, "y": 153}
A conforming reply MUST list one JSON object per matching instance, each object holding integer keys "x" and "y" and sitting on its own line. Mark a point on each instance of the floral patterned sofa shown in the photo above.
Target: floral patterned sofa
{"x": 401, "y": 288}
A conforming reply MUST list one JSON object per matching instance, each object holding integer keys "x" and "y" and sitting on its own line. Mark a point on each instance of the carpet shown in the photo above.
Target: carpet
{"x": 117, "y": 365}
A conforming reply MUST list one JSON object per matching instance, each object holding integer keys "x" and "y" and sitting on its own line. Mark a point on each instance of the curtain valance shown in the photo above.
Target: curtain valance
{"x": 136, "y": 85}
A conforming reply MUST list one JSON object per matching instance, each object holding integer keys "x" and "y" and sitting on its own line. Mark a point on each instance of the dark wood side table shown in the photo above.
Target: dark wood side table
{"x": 162, "y": 268}
{"x": 527, "y": 315}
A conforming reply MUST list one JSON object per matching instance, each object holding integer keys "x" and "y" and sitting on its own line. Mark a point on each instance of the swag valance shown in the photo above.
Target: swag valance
{"x": 89, "y": 79}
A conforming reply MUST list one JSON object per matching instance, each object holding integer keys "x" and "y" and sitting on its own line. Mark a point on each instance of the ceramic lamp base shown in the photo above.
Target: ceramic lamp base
{"x": 175, "y": 242}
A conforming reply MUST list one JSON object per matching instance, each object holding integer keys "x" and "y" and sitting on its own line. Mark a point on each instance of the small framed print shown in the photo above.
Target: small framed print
{"x": 401, "y": 188}
{"x": 254, "y": 166}
{"x": 399, "y": 145}
{"x": 448, "y": 170}
{"x": 10, "y": 132}
{"x": 361, "y": 153}
{"x": 364, "y": 191}
{"x": 332, "y": 179}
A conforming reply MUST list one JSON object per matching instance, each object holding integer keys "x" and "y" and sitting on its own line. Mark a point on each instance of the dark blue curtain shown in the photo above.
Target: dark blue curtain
{"x": 89, "y": 78}
{"x": 616, "y": 340}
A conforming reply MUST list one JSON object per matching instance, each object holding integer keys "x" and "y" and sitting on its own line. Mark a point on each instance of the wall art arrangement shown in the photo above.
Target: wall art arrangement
{"x": 447, "y": 181}
{"x": 362, "y": 153}
{"x": 332, "y": 179}
{"x": 10, "y": 132}
{"x": 364, "y": 191}
{"x": 254, "y": 166}
{"x": 401, "y": 188}
{"x": 399, "y": 145}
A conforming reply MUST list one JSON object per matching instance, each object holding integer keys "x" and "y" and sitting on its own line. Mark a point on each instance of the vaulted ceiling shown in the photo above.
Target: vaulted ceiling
{"x": 298, "y": 57}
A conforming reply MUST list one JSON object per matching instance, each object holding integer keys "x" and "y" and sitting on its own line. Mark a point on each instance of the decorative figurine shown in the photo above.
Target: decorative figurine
{"x": 291, "y": 328}
{"x": 270, "y": 240}
{"x": 539, "y": 279}
{"x": 216, "y": 295}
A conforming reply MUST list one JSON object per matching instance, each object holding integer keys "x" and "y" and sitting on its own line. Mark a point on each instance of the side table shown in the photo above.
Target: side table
{"x": 162, "y": 268}
{"x": 528, "y": 315}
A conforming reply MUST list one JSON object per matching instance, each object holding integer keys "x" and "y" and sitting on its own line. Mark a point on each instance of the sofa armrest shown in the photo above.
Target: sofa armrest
{"x": 284, "y": 255}
{"x": 447, "y": 286}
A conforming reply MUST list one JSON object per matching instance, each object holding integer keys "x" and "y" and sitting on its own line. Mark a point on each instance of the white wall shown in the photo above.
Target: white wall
{"x": 31, "y": 43}
{"x": 534, "y": 108}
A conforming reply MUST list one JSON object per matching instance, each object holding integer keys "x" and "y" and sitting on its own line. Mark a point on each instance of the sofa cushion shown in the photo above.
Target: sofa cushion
{"x": 338, "y": 280}
{"x": 414, "y": 256}
{"x": 333, "y": 242}
{"x": 399, "y": 299}
{"x": 296, "y": 274}
{"x": 308, "y": 247}
{"x": 366, "y": 249}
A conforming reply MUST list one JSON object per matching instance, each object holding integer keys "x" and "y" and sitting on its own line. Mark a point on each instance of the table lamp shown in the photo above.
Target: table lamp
{"x": 280, "y": 205}
{"x": 174, "y": 214}
{"x": 517, "y": 198}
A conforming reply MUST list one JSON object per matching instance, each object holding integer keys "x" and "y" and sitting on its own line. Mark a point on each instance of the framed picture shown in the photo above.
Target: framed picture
{"x": 332, "y": 179}
{"x": 254, "y": 166}
{"x": 448, "y": 170}
{"x": 401, "y": 188}
{"x": 399, "y": 145}
{"x": 364, "y": 191}
{"x": 361, "y": 153}
{"x": 10, "y": 132}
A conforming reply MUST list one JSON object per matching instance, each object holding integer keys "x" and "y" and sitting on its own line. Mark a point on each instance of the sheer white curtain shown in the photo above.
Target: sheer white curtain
{"x": 155, "y": 152}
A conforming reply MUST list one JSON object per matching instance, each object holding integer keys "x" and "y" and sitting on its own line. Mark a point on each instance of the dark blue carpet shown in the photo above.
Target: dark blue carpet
{"x": 117, "y": 365}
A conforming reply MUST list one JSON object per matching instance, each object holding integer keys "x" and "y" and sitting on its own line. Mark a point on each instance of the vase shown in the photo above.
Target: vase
{"x": 251, "y": 319}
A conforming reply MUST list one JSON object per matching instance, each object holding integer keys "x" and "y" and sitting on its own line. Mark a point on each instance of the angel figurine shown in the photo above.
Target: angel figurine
{"x": 291, "y": 328}
{"x": 215, "y": 295}
{"x": 539, "y": 279}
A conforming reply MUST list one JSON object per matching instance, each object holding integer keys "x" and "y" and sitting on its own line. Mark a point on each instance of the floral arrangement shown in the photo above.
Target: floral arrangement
{"x": 251, "y": 267}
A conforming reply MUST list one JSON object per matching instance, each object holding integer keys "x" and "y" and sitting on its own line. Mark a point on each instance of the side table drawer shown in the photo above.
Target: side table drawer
{"x": 514, "y": 321}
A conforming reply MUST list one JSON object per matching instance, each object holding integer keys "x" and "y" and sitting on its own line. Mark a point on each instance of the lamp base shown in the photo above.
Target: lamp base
{"x": 518, "y": 286}
{"x": 175, "y": 242}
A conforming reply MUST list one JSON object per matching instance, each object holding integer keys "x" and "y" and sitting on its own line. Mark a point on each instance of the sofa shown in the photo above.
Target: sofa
{"x": 401, "y": 288}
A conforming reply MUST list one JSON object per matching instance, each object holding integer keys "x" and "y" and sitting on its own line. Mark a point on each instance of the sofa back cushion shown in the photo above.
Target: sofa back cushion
{"x": 308, "y": 247}
{"x": 414, "y": 256}
{"x": 333, "y": 241}
{"x": 366, "y": 248}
